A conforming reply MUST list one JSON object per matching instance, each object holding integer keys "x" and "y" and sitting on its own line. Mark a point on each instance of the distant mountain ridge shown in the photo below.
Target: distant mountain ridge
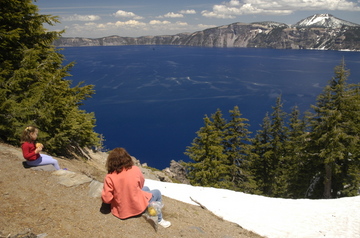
{"x": 320, "y": 31}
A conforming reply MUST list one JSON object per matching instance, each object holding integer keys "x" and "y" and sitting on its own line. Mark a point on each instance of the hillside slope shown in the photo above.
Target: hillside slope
{"x": 34, "y": 203}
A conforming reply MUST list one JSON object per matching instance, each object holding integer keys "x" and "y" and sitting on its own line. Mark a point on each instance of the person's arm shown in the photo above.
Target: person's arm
{"x": 141, "y": 179}
{"x": 28, "y": 151}
{"x": 107, "y": 192}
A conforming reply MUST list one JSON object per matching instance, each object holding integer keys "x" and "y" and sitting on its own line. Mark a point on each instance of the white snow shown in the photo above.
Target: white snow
{"x": 273, "y": 217}
{"x": 316, "y": 19}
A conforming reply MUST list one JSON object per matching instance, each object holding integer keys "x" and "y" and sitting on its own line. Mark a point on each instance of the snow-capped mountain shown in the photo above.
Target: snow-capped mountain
{"x": 323, "y": 20}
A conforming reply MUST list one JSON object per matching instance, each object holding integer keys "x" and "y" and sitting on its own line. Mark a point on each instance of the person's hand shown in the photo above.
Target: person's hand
{"x": 39, "y": 147}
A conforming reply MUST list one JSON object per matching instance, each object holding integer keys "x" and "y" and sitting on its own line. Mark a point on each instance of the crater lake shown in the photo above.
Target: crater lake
{"x": 151, "y": 100}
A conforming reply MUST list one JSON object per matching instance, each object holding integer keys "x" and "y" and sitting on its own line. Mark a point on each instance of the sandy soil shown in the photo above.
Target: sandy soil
{"x": 33, "y": 202}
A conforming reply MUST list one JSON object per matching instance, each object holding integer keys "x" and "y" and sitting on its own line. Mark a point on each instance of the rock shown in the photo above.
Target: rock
{"x": 177, "y": 172}
{"x": 148, "y": 174}
{"x": 136, "y": 162}
{"x": 25, "y": 234}
{"x": 47, "y": 167}
{"x": 95, "y": 189}
{"x": 69, "y": 179}
{"x": 161, "y": 176}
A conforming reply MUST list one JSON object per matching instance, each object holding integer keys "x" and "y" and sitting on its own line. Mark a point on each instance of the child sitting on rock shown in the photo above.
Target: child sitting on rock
{"x": 31, "y": 149}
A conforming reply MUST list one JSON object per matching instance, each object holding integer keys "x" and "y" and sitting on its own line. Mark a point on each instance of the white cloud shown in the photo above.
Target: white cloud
{"x": 131, "y": 28}
{"x": 107, "y": 27}
{"x": 217, "y": 15}
{"x": 125, "y": 14}
{"x": 235, "y": 8}
{"x": 90, "y": 24}
{"x": 179, "y": 23}
{"x": 204, "y": 26}
{"x": 192, "y": 11}
{"x": 177, "y": 15}
{"x": 173, "y": 15}
{"x": 77, "y": 17}
{"x": 157, "y": 22}
{"x": 128, "y": 23}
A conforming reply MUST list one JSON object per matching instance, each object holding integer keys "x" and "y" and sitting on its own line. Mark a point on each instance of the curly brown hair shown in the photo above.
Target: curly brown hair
{"x": 117, "y": 160}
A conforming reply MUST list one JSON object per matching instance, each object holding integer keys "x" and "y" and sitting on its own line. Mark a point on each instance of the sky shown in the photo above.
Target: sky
{"x": 272, "y": 217}
{"x": 133, "y": 18}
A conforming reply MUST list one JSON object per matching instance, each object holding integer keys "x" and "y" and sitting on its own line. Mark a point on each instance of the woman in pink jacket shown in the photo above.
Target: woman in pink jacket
{"x": 124, "y": 188}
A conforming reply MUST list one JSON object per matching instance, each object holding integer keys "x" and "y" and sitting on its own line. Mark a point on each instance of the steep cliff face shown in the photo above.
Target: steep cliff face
{"x": 345, "y": 38}
{"x": 233, "y": 35}
{"x": 321, "y": 31}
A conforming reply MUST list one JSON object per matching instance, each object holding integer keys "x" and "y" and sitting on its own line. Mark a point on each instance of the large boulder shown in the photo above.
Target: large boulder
{"x": 177, "y": 172}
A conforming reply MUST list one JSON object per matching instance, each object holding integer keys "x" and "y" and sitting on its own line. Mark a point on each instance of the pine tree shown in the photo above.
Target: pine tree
{"x": 299, "y": 170}
{"x": 33, "y": 88}
{"x": 270, "y": 147}
{"x": 238, "y": 149}
{"x": 223, "y": 164}
{"x": 279, "y": 133}
{"x": 207, "y": 153}
{"x": 334, "y": 136}
{"x": 220, "y": 153}
{"x": 260, "y": 158}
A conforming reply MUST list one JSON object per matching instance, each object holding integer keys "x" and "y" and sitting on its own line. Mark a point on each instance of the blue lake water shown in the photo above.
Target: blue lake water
{"x": 151, "y": 100}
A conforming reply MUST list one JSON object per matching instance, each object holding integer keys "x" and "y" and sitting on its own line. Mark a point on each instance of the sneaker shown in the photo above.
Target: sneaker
{"x": 164, "y": 223}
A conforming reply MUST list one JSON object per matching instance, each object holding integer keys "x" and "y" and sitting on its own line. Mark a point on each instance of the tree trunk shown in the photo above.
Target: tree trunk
{"x": 327, "y": 181}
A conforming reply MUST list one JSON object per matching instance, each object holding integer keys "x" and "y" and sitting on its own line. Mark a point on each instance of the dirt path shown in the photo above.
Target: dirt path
{"x": 33, "y": 202}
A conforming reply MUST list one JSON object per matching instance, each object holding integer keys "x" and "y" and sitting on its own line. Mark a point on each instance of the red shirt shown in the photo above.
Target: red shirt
{"x": 28, "y": 150}
{"x": 124, "y": 192}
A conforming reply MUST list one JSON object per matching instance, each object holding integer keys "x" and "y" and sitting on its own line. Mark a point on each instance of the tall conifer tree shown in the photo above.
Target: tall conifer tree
{"x": 335, "y": 136}
{"x": 238, "y": 149}
{"x": 270, "y": 147}
{"x": 33, "y": 88}
{"x": 298, "y": 169}
{"x": 279, "y": 133}
{"x": 260, "y": 157}
{"x": 224, "y": 165}
{"x": 207, "y": 152}
{"x": 220, "y": 153}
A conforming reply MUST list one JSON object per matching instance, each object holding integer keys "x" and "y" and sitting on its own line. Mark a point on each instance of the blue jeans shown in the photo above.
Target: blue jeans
{"x": 156, "y": 197}
{"x": 43, "y": 160}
